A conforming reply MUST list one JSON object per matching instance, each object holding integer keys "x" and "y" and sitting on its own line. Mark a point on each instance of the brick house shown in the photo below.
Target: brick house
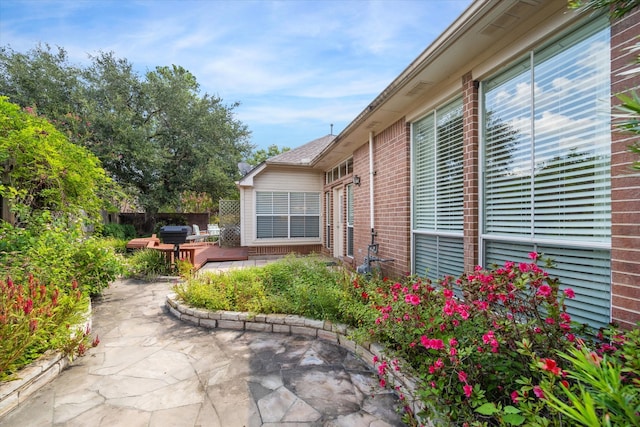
{"x": 497, "y": 141}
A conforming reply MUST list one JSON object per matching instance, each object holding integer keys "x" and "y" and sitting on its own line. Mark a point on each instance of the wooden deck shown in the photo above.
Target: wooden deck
{"x": 198, "y": 253}
{"x": 209, "y": 252}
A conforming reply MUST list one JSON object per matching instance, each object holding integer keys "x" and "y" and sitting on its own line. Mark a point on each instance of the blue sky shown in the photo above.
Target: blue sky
{"x": 295, "y": 66}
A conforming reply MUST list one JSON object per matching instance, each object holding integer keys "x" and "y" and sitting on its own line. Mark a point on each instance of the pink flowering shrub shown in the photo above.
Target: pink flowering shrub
{"x": 462, "y": 339}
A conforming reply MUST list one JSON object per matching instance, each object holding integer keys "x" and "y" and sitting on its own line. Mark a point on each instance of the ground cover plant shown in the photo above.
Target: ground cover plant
{"x": 305, "y": 286}
{"x": 147, "y": 264}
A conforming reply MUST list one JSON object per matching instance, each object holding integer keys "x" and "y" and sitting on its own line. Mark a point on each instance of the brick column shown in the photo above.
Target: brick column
{"x": 471, "y": 178}
{"x": 625, "y": 184}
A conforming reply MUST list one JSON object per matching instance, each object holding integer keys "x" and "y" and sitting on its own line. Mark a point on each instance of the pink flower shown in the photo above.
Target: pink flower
{"x": 382, "y": 368}
{"x": 375, "y": 359}
{"x": 515, "y": 396}
{"x": 453, "y": 342}
{"x": 435, "y": 344}
{"x": 549, "y": 321}
{"x": 462, "y": 376}
{"x": 538, "y": 392}
{"x": 467, "y": 390}
{"x": 533, "y": 256}
{"x": 383, "y": 383}
{"x": 486, "y": 338}
{"x": 448, "y": 293}
{"x": 544, "y": 290}
{"x": 438, "y": 363}
{"x": 594, "y": 358}
{"x": 412, "y": 299}
{"x": 569, "y": 293}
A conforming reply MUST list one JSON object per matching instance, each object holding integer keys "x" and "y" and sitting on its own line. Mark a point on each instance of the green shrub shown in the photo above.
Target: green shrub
{"x": 306, "y": 286}
{"x": 118, "y": 246}
{"x": 56, "y": 251}
{"x": 238, "y": 290}
{"x": 147, "y": 264}
{"x": 96, "y": 265}
{"x": 119, "y": 231}
{"x": 294, "y": 285}
{"x": 482, "y": 348}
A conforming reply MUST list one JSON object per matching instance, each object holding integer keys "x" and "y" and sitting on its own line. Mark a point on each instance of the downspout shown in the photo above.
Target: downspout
{"x": 371, "y": 194}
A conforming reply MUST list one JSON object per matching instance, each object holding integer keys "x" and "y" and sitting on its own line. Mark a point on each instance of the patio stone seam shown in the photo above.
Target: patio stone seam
{"x": 296, "y": 325}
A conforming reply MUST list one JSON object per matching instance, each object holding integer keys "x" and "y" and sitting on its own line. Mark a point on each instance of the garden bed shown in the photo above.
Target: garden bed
{"x": 35, "y": 376}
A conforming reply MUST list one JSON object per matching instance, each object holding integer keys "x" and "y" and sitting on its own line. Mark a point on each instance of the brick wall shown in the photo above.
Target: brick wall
{"x": 256, "y": 251}
{"x": 625, "y": 185}
{"x": 471, "y": 153}
{"x": 361, "y": 217}
{"x": 392, "y": 185}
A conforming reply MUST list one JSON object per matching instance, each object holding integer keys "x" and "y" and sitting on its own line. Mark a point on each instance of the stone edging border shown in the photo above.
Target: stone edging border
{"x": 35, "y": 376}
{"x": 335, "y": 333}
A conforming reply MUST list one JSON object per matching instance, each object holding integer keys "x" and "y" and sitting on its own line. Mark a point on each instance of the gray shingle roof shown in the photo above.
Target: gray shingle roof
{"x": 304, "y": 154}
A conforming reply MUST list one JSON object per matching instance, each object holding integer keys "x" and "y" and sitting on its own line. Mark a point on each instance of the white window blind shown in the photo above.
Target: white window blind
{"x": 327, "y": 214}
{"x": 438, "y": 192}
{"x": 546, "y": 169}
{"x": 287, "y": 214}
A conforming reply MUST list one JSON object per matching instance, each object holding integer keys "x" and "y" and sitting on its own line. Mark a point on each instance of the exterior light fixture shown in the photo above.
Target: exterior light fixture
{"x": 356, "y": 180}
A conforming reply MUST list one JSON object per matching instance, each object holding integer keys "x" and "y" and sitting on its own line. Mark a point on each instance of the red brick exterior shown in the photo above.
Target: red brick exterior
{"x": 625, "y": 185}
{"x": 392, "y": 185}
{"x": 255, "y": 251}
{"x": 471, "y": 178}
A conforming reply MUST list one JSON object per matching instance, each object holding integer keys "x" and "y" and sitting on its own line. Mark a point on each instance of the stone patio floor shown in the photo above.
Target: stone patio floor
{"x": 151, "y": 369}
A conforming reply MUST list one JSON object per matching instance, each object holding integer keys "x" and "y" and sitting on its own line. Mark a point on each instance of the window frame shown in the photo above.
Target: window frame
{"x": 296, "y": 214}
{"x": 429, "y": 235}
{"x": 574, "y": 255}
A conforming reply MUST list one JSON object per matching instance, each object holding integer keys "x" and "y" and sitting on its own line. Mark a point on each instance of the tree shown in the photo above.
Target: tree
{"x": 197, "y": 138}
{"x": 45, "y": 80}
{"x": 629, "y": 110}
{"x": 617, "y": 8}
{"x": 156, "y": 135}
{"x": 40, "y": 170}
{"x": 261, "y": 155}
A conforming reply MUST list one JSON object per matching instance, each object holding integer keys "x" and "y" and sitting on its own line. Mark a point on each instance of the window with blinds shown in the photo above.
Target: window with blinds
{"x": 438, "y": 192}
{"x": 284, "y": 215}
{"x": 327, "y": 215}
{"x": 546, "y": 168}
